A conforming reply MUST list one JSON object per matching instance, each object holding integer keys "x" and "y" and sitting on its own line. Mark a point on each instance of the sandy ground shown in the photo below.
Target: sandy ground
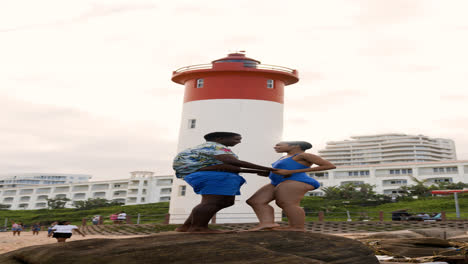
{"x": 8, "y": 242}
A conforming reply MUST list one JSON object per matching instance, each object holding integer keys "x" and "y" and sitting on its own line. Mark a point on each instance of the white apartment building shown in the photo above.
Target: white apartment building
{"x": 388, "y": 178}
{"x": 142, "y": 187}
{"x": 31, "y": 179}
{"x": 388, "y": 148}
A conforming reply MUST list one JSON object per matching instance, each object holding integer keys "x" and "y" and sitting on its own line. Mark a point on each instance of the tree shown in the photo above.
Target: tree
{"x": 57, "y": 203}
{"x": 350, "y": 191}
{"x": 452, "y": 185}
{"x": 94, "y": 203}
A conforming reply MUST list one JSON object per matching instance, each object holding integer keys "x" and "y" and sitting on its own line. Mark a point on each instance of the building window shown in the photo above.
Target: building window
{"x": 192, "y": 123}
{"x": 199, "y": 83}
{"x": 270, "y": 84}
{"x": 182, "y": 189}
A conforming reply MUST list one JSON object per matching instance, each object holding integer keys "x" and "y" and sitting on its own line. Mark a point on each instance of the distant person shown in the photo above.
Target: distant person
{"x": 122, "y": 217}
{"x": 113, "y": 218}
{"x": 35, "y": 228}
{"x": 49, "y": 229}
{"x": 212, "y": 170}
{"x": 63, "y": 230}
{"x": 96, "y": 219}
{"x": 288, "y": 185}
{"x": 16, "y": 228}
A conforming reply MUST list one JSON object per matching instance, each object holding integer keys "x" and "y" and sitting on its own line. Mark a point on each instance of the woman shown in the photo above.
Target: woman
{"x": 16, "y": 228}
{"x": 288, "y": 185}
{"x": 36, "y": 227}
{"x": 63, "y": 230}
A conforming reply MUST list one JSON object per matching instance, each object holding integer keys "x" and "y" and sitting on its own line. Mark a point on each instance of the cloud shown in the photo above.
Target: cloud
{"x": 94, "y": 10}
{"x": 375, "y": 12}
{"x": 45, "y": 138}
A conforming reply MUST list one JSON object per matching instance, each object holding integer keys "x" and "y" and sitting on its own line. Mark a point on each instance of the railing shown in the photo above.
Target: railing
{"x": 311, "y": 216}
{"x": 394, "y": 175}
{"x": 246, "y": 65}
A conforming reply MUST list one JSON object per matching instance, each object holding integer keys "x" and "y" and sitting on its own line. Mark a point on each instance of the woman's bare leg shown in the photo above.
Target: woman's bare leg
{"x": 259, "y": 202}
{"x": 288, "y": 196}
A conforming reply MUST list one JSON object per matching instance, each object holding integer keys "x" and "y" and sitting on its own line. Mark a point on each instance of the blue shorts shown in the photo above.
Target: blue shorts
{"x": 300, "y": 177}
{"x": 215, "y": 182}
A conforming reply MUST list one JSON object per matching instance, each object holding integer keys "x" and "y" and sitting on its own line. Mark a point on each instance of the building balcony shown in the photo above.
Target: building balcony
{"x": 99, "y": 195}
{"x": 42, "y": 198}
{"x": 394, "y": 175}
{"x": 60, "y": 189}
{"x": 47, "y": 190}
{"x": 120, "y": 187}
{"x": 8, "y": 200}
{"x": 351, "y": 177}
{"x": 99, "y": 187}
{"x": 131, "y": 200}
{"x": 394, "y": 184}
{"x": 25, "y": 199}
{"x": 83, "y": 188}
{"x": 6, "y": 193}
{"x": 26, "y": 191}
{"x": 40, "y": 205}
{"x": 454, "y": 173}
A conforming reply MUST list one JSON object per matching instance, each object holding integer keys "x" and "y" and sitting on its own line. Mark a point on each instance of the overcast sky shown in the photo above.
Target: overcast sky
{"x": 85, "y": 85}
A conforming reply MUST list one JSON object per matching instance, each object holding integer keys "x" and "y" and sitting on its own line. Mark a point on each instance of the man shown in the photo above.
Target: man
{"x": 212, "y": 170}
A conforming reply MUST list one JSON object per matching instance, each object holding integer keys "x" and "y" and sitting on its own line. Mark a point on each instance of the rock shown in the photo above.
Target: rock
{"x": 417, "y": 247}
{"x": 245, "y": 248}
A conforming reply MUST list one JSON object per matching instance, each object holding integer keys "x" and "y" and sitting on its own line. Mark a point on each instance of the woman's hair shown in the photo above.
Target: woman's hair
{"x": 62, "y": 222}
{"x": 215, "y": 135}
{"x": 304, "y": 145}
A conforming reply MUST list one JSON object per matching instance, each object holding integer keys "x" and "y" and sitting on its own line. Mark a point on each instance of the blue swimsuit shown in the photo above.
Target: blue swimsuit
{"x": 290, "y": 164}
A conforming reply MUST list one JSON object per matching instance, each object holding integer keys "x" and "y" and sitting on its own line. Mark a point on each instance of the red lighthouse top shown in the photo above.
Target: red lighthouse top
{"x": 235, "y": 77}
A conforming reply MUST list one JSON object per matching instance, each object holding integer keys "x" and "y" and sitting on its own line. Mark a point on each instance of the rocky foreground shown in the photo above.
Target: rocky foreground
{"x": 244, "y": 247}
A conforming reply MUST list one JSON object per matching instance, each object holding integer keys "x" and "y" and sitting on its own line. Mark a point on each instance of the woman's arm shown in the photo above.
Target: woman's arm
{"x": 313, "y": 159}
{"x": 78, "y": 231}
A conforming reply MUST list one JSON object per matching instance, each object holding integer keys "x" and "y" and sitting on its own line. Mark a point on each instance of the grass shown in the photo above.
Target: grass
{"x": 154, "y": 213}
{"x": 335, "y": 210}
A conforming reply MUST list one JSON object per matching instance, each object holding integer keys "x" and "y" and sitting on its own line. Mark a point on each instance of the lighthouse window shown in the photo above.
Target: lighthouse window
{"x": 199, "y": 83}
{"x": 182, "y": 190}
{"x": 270, "y": 84}
{"x": 192, "y": 123}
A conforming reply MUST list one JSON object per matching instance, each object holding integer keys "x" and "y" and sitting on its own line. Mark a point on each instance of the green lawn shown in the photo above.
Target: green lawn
{"x": 150, "y": 213}
{"x": 359, "y": 210}
{"x": 335, "y": 210}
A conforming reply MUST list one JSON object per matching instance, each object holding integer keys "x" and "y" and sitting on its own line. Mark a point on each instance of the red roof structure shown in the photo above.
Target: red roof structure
{"x": 448, "y": 191}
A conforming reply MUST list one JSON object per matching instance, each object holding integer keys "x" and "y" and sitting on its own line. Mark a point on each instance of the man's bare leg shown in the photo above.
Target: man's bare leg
{"x": 186, "y": 225}
{"x": 288, "y": 196}
{"x": 259, "y": 202}
{"x": 209, "y": 206}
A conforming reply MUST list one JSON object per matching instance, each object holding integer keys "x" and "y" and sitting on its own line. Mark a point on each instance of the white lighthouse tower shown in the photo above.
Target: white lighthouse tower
{"x": 233, "y": 94}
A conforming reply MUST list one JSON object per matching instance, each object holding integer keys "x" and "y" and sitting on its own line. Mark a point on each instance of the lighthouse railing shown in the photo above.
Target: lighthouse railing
{"x": 194, "y": 67}
{"x": 246, "y": 65}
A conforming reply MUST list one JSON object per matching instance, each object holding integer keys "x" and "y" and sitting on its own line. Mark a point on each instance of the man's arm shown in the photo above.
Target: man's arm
{"x": 232, "y": 168}
{"x": 231, "y": 160}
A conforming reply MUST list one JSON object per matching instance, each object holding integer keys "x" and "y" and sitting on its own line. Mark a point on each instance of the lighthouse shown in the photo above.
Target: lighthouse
{"x": 232, "y": 94}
